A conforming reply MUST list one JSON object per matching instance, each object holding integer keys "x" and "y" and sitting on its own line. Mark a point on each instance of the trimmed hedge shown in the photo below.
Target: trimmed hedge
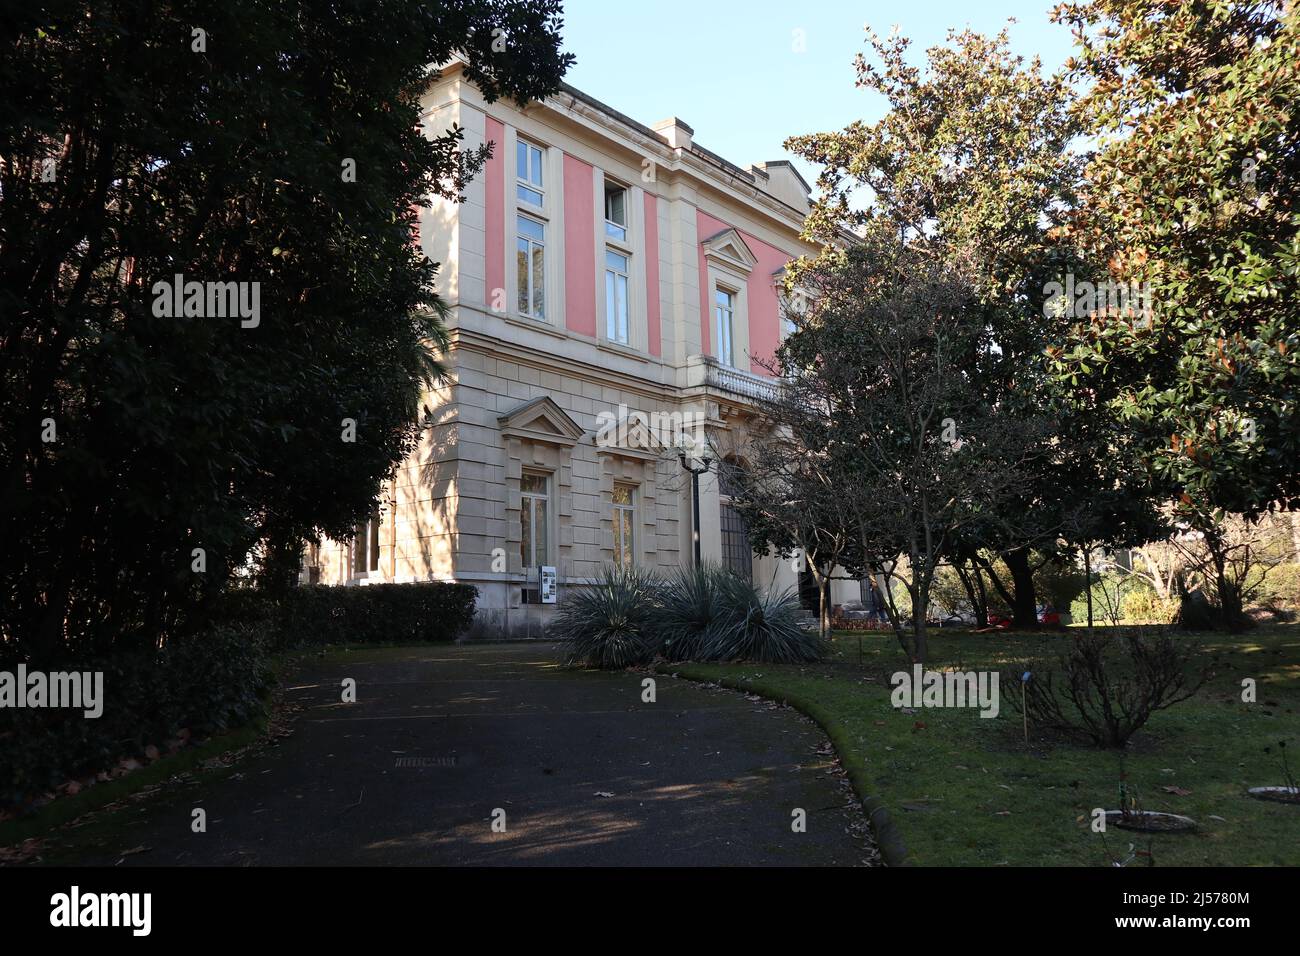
{"x": 212, "y": 680}
{"x": 207, "y": 683}
{"x": 378, "y": 614}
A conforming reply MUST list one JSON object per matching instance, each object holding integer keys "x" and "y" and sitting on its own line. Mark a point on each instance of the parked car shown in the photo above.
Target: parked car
{"x": 956, "y": 620}
{"x": 1048, "y": 616}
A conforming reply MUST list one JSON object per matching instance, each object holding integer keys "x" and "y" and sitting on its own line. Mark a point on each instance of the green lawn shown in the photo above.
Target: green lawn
{"x": 967, "y": 791}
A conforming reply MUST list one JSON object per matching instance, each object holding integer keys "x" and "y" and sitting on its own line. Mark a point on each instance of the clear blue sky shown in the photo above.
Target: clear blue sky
{"x": 728, "y": 68}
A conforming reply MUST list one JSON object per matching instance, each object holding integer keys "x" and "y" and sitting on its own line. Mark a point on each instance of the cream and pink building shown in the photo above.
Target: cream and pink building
{"x": 610, "y": 285}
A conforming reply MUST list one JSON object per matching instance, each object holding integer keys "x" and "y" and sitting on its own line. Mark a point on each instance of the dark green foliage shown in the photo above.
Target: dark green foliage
{"x": 754, "y": 626}
{"x": 210, "y": 682}
{"x": 1196, "y": 613}
{"x": 223, "y": 164}
{"x": 215, "y": 679}
{"x": 690, "y": 605}
{"x": 700, "y": 614}
{"x": 377, "y": 614}
{"x": 1193, "y": 196}
{"x": 612, "y": 623}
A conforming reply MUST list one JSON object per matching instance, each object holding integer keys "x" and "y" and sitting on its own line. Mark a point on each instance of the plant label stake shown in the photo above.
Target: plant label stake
{"x": 1024, "y": 707}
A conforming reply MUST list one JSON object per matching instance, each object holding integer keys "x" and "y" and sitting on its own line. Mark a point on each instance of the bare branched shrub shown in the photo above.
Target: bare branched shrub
{"x": 1105, "y": 687}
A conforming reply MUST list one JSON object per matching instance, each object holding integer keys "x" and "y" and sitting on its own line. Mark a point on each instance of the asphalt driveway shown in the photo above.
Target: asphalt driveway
{"x": 443, "y": 740}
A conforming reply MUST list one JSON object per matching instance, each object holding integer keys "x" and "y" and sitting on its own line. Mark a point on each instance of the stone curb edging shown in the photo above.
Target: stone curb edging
{"x": 889, "y": 839}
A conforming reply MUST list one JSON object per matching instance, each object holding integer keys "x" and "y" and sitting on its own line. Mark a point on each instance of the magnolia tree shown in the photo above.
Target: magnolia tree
{"x": 1192, "y": 200}
{"x": 972, "y": 163}
{"x": 903, "y": 454}
{"x": 216, "y": 325}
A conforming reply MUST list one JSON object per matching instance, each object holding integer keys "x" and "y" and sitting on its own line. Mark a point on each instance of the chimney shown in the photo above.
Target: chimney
{"x": 674, "y": 132}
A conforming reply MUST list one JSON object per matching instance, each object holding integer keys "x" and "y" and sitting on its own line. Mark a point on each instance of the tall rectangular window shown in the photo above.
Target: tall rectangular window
{"x": 616, "y": 328}
{"x": 624, "y": 524}
{"x": 724, "y": 309}
{"x": 529, "y": 184}
{"x": 365, "y": 547}
{"x": 530, "y": 249}
{"x": 615, "y": 212}
{"x": 534, "y": 503}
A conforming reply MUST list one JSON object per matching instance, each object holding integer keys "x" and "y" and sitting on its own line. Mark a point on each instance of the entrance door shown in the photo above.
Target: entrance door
{"x": 809, "y": 599}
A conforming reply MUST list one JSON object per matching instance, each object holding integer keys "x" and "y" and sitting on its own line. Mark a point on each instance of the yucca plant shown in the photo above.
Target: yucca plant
{"x": 689, "y": 607}
{"x": 610, "y": 624}
{"x": 752, "y": 626}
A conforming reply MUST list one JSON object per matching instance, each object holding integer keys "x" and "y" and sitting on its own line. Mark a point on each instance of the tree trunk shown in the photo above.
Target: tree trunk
{"x": 1024, "y": 609}
{"x": 824, "y": 605}
{"x": 1087, "y": 580}
{"x": 920, "y": 595}
{"x": 1230, "y": 610}
{"x": 982, "y": 608}
{"x": 920, "y": 635}
{"x": 972, "y": 583}
{"x": 996, "y": 581}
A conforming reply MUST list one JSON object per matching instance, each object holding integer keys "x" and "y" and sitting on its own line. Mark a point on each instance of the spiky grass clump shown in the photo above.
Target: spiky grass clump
{"x": 611, "y": 624}
{"x": 689, "y": 608}
{"x": 756, "y": 627}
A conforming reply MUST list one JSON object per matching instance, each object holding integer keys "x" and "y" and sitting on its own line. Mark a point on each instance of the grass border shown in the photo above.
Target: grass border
{"x": 889, "y": 839}
{"x": 65, "y": 809}
{"x": 68, "y": 808}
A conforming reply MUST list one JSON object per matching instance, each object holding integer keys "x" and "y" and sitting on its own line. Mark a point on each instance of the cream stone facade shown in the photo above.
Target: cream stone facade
{"x": 608, "y": 283}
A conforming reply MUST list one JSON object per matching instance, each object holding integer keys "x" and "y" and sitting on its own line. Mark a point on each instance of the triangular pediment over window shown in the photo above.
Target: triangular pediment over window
{"x": 728, "y": 249}
{"x": 541, "y": 420}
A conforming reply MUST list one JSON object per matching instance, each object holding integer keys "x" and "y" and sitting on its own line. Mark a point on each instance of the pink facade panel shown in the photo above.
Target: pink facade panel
{"x": 494, "y": 183}
{"x": 652, "y": 274}
{"x": 579, "y": 247}
{"x": 764, "y": 303}
{"x": 760, "y": 294}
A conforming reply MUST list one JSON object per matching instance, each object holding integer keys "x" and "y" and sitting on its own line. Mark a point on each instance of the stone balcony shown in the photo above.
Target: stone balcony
{"x": 706, "y": 372}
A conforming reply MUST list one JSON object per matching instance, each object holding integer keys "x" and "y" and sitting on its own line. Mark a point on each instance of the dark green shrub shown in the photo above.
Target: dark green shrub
{"x": 213, "y": 679}
{"x": 1196, "y": 613}
{"x": 208, "y": 682}
{"x": 704, "y": 614}
{"x": 689, "y": 607}
{"x": 217, "y": 680}
{"x": 612, "y": 623}
{"x": 377, "y": 614}
{"x": 752, "y": 626}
